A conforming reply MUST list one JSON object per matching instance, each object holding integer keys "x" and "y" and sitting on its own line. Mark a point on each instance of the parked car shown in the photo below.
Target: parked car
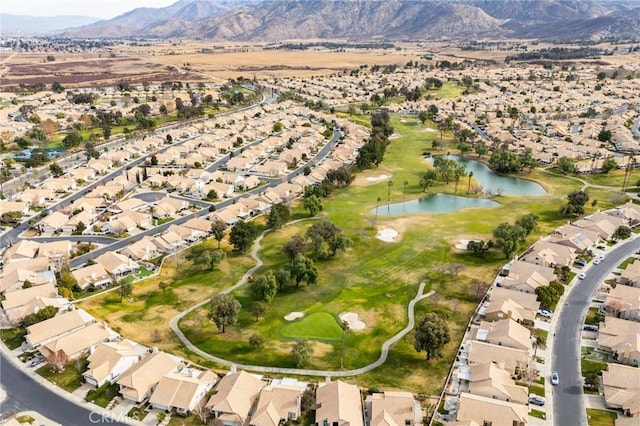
{"x": 597, "y": 261}
{"x": 600, "y": 257}
{"x": 545, "y": 313}
{"x": 582, "y": 276}
{"x": 588, "y": 327}
{"x": 555, "y": 378}
{"x": 580, "y": 262}
{"x": 536, "y": 400}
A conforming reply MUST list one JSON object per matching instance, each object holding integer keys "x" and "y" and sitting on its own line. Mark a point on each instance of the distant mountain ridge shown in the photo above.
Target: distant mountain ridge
{"x": 278, "y": 20}
{"x": 21, "y": 24}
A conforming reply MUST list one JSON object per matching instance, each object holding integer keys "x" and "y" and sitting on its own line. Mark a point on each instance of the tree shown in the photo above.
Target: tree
{"x": 326, "y": 239}
{"x": 313, "y": 205}
{"x": 429, "y": 179}
{"x": 42, "y": 315}
{"x": 265, "y": 287}
{"x": 295, "y": 246}
{"x": 243, "y": 234}
{"x": 604, "y": 135}
{"x": 125, "y": 289}
{"x": 479, "y": 248}
{"x": 256, "y": 340}
{"x": 224, "y": 310}
{"x": 278, "y": 215}
{"x": 56, "y": 170}
{"x": 423, "y": 116}
{"x": 217, "y": 230}
{"x": 303, "y": 269}
{"x": 507, "y": 237}
{"x": 478, "y": 289}
{"x": 622, "y": 233}
{"x": 432, "y": 333}
{"x": 79, "y": 229}
{"x": 609, "y": 164}
{"x": 210, "y": 258}
{"x": 300, "y": 353}
{"x": 57, "y": 87}
{"x": 259, "y": 309}
{"x": 72, "y": 140}
{"x": 566, "y": 165}
{"x": 57, "y": 361}
{"x": 163, "y": 286}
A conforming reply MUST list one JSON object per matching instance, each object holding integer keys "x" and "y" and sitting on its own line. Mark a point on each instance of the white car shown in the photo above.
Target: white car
{"x": 545, "y": 313}
{"x": 600, "y": 256}
{"x": 597, "y": 261}
{"x": 555, "y": 379}
{"x": 582, "y": 276}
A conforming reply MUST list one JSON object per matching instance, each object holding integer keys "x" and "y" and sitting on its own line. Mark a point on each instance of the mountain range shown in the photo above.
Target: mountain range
{"x": 279, "y": 20}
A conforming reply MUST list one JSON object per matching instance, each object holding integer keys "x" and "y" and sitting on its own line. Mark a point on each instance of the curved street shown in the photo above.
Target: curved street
{"x": 565, "y": 344}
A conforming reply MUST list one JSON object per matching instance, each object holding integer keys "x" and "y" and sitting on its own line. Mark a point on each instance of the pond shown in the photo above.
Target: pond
{"x": 436, "y": 203}
{"x": 495, "y": 183}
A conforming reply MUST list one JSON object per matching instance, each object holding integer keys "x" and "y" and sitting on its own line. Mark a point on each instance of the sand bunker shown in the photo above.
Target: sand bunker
{"x": 375, "y": 179}
{"x": 463, "y": 244}
{"x": 429, "y": 129}
{"x": 387, "y": 235}
{"x": 354, "y": 320}
{"x": 294, "y": 316}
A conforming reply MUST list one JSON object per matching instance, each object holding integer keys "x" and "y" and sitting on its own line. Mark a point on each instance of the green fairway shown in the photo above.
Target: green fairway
{"x": 317, "y": 326}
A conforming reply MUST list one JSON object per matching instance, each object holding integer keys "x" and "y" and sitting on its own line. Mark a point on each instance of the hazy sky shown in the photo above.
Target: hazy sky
{"x": 97, "y": 8}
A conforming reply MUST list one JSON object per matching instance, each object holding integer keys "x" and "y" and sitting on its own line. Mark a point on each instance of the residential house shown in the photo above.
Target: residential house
{"x": 53, "y": 328}
{"x": 631, "y": 274}
{"x": 72, "y": 225}
{"x": 20, "y": 303}
{"x": 22, "y": 250}
{"x": 187, "y": 234}
{"x": 92, "y": 275}
{"x": 56, "y": 252}
{"x": 489, "y": 380}
{"x": 134, "y": 204}
{"x": 36, "y": 197}
{"x": 338, "y": 403}
{"x": 580, "y": 239}
{"x": 182, "y": 391}
{"x": 393, "y": 409}
{"x": 508, "y": 308}
{"x": 547, "y": 253}
{"x": 138, "y": 382}
{"x": 623, "y": 302}
{"x": 506, "y": 332}
{"x": 59, "y": 185}
{"x": 621, "y": 339}
{"x": 100, "y": 165}
{"x": 89, "y": 205}
{"x": 199, "y": 224}
{"x": 82, "y": 173}
{"x": 169, "y": 242}
{"x": 78, "y": 342}
{"x": 52, "y": 222}
{"x": 621, "y": 385}
{"x": 526, "y": 277}
{"x": 628, "y": 211}
{"x": 144, "y": 249}
{"x": 36, "y": 271}
{"x": 604, "y": 224}
{"x": 279, "y": 403}
{"x": 14, "y": 206}
{"x": 235, "y": 395}
{"x": 117, "y": 264}
{"x": 488, "y": 411}
{"x": 108, "y": 360}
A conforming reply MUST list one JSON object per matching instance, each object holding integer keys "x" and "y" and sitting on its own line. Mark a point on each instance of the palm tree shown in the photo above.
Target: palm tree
{"x": 377, "y": 205}
{"x": 344, "y": 325}
{"x": 469, "y": 186}
{"x": 404, "y": 192}
{"x": 389, "y": 185}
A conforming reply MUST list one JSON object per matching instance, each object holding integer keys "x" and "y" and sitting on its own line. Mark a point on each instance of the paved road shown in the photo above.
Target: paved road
{"x": 24, "y": 393}
{"x": 568, "y": 401}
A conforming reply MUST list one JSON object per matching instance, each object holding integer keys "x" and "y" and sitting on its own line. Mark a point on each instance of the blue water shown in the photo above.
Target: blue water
{"x": 436, "y": 203}
{"x": 495, "y": 183}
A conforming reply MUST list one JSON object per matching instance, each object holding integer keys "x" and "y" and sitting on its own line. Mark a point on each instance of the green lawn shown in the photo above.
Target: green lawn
{"x": 317, "y": 326}
{"x": 589, "y": 366}
{"x": 600, "y": 417}
{"x": 626, "y": 262}
{"x": 13, "y": 337}
{"x": 70, "y": 378}
{"x": 536, "y": 390}
{"x": 103, "y": 395}
{"x": 537, "y": 414}
{"x": 593, "y": 317}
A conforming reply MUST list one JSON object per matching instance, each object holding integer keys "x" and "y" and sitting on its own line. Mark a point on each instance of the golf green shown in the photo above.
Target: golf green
{"x": 317, "y": 326}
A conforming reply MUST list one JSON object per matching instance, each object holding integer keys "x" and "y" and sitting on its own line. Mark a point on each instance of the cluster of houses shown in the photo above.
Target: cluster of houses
{"x": 499, "y": 348}
{"x": 559, "y": 113}
{"x": 158, "y": 380}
